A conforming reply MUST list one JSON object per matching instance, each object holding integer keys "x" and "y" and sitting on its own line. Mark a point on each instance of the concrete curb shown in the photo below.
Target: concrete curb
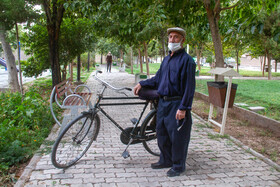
{"x": 246, "y": 148}
{"x": 28, "y": 170}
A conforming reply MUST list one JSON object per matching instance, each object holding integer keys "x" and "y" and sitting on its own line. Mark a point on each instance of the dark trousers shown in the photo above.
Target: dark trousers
{"x": 173, "y": 143}
{"x": 109, "y": 66}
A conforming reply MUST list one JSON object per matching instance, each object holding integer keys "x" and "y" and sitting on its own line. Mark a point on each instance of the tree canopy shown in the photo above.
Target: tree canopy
{"x": 70, "y": 28}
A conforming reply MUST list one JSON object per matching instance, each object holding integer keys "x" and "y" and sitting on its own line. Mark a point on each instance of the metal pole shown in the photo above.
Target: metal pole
{"x": 226, "y": 106}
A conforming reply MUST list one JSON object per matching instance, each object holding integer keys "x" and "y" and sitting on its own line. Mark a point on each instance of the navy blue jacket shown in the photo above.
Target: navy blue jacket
{"x": 176, "y": 77}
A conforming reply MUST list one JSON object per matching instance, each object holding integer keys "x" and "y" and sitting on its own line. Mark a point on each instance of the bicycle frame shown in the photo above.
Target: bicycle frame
{"x": 98, "y": 105}
{"x": 130, "y": 135}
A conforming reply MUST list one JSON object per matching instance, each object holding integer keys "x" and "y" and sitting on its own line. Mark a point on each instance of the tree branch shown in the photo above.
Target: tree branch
{"x": 207, "y": 3}
{"x": 47, "y": 10}
{"x": 230, "y": 7}
{"x": 217, "y": 8}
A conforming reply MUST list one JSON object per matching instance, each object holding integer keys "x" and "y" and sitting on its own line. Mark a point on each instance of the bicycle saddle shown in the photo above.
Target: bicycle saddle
{"x": 148, "y": 94}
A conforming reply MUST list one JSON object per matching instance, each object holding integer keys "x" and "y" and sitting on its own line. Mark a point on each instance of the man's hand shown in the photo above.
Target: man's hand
{"x": 180, "y": 114}
{"x": 137, "y": 89}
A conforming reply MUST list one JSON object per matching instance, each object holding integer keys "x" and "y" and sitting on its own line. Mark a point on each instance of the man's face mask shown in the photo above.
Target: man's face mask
{"x": 174, "y": 46}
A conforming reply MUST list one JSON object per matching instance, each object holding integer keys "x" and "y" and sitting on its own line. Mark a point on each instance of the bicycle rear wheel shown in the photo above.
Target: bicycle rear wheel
{"x": 148, "y": 131}
{"x": 74, "y": 140}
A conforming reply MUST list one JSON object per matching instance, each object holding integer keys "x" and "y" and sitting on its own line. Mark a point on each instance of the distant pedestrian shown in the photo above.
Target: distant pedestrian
{"x": 109, "y": 61}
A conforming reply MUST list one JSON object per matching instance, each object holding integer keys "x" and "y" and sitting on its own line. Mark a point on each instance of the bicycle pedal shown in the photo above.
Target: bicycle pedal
{"x": 134, "y": 120}
{"x": 125, "y": 154}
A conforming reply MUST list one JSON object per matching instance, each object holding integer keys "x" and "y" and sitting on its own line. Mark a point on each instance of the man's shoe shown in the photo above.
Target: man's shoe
{"x": 173, "y": 173}
{"x": 158, "y": 165}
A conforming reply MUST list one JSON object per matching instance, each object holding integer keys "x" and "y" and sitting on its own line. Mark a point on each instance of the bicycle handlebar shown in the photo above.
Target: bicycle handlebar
{"x": 109, "y": 85}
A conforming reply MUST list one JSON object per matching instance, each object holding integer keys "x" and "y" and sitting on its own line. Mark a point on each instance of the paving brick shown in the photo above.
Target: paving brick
{"x": 53, "y": 171}
{"x": 169, "y": 184}
{"x": 82, "y": 185}
{"x": 125, "y": 174}
{"x": 94, "y": 180}
{"x": 62, "y": 176}
{"x": 71, "y": 181}
{"x": 49, "y": 182}
{"x": 83, "y": 175}
{"x": 217, "y": 175}
{"x": 192, "y": 182}
{"x": 105, "y": 185}
{"x": 236, "y": 174}
{"x": 39, "y": 176}
{"x": 103, "y": 175}
{"x": 232, "y": 179}
{"x": 117, "y": 180}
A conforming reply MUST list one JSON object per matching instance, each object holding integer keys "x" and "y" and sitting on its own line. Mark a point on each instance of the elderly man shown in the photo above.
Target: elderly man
{"x": 175, "y": 83}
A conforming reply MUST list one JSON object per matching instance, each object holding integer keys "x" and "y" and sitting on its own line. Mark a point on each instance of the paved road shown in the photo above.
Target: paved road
{"x": 4, "y": 78}
{"x": 212, "y": 161}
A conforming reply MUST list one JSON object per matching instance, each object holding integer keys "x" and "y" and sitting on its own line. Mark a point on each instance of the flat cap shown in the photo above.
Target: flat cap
{"x": 177, "y": 29}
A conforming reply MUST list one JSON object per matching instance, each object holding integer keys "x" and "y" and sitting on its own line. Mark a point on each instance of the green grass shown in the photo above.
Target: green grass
{"x": 246, "y": 73}
{"x": 152, "y": 67}
{"x": 264, "y": 93}
{"x": 204, "y": 71}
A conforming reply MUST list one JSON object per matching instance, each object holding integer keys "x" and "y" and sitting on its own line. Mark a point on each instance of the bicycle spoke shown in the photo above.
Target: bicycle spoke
{"x": 74, "y": 141}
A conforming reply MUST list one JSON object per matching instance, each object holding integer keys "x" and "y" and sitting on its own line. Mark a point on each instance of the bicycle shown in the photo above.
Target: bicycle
{"x": 77, "y": 136}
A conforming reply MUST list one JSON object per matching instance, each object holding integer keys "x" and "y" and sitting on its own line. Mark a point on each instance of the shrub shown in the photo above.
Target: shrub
{"x": 24, "y": 125}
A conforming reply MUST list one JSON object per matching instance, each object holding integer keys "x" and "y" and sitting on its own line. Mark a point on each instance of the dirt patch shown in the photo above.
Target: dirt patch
{"x": 260, "y": 139}
{"x": 13, "y": 175}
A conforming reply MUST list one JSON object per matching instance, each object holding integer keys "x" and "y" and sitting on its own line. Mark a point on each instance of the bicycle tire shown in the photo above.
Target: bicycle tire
{"x": 148, "y": 130}
{"x": 74, "y": 140}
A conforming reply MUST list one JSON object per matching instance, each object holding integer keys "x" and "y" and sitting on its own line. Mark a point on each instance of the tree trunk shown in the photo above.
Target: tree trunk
{"x": 197, "y": 57}
{"x": 11, "y": 64}
{"x": 213, "y": 17}
{"x": 146, "y": 57}
{"x": 131, "y": 60}
{"x": 64, "y": 72}
{"x": 19, "y": 64}
{"x": 138, "y": 60}
{"x": 261, "y": 61}
{"x": 141, "y": 62}
{"x": 269, "y": 65}
{"x": 237, "y": 68}
{"x": 264, "y": 62}
{"x": 54, "y": 19}
{"x": 275, "y": 66}
{"x": 79, "y": 68}
{"x": 71, "y": 70}
{"x": 163, "y": 43}
{"x": 122, "y": 57}
{"x": 88, "y": 61}
{"x": 101, "y": 58}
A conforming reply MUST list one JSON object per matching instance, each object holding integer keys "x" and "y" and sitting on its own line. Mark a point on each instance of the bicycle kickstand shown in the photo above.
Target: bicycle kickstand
{"x": 125, "y": 153}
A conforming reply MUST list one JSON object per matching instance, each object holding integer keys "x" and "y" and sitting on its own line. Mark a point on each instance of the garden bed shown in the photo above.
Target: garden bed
{"x": 259, "y": 139}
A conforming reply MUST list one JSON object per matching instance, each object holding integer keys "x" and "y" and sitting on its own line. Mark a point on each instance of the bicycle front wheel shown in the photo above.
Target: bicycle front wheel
{"x": 148, "y": 132}
{"x": 74, "y": 140}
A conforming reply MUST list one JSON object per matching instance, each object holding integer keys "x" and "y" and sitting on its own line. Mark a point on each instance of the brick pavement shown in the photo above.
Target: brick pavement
{"x": 212, "y": 161}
